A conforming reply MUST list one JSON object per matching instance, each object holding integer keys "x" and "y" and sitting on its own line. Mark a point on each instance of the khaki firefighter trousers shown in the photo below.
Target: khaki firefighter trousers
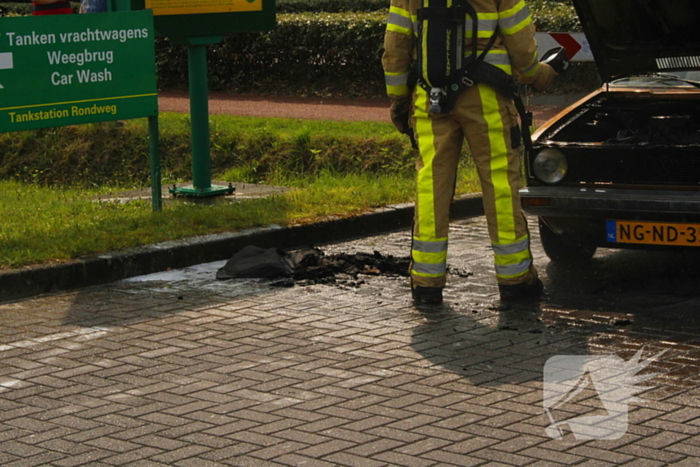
{"x": 489, "y": 122}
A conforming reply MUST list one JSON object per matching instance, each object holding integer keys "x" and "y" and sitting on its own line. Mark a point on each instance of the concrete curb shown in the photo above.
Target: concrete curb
{"x": 110, "y": 267}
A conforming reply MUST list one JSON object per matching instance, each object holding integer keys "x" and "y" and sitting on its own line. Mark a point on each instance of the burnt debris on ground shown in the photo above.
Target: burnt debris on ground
{"x": 315, "y": 267}
{"x": 309, "y": 266}
{"x": 312, "y": 266}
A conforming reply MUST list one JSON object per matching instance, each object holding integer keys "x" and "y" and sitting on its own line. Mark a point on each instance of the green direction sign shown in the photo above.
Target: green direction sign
{"x": 73, "y": 69}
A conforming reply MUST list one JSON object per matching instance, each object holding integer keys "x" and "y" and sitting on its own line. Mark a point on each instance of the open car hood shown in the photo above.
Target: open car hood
{"x": 635, "y": 37}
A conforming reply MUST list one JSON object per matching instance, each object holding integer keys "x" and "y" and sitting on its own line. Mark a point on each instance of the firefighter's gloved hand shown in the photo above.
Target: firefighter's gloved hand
{"x": 400, "y": 112}
{"x": 545, "y": 77}
{"x": 401, "y": 118}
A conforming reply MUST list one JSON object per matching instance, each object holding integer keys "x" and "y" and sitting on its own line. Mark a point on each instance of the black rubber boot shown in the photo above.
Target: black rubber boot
{"x": 427, "y": 295}
{"x": 521, "y": 291}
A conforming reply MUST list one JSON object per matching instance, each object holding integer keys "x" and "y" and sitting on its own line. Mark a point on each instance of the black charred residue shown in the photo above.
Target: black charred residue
{"x": 315, "y": 267}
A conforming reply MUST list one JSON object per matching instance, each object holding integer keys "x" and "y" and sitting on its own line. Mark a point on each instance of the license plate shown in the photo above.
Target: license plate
{"x": 653, "y": 233}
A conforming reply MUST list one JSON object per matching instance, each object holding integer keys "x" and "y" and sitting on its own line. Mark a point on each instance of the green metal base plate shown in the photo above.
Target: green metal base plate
{"x": 214, "y": 190}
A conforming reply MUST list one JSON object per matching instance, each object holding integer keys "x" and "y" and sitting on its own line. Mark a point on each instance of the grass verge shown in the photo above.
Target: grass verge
{"x": 47, "y": 225}
{"x": 53, "y": 179}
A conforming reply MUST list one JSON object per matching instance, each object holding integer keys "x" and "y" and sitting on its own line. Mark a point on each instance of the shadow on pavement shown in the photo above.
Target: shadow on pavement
{"x": 657, "y": 289}
{"x": 491, "y": 347}
{"x": 618, "y": 303}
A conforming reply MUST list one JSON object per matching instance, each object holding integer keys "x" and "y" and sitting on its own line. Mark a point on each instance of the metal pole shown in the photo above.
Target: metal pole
{"x": 199, "y": 121}
{"x": 154, "y": 145}
{"x": 199, "y": 116}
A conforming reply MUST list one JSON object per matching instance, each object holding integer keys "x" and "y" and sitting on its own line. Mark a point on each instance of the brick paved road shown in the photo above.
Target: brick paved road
{"x": 181, "y": 370}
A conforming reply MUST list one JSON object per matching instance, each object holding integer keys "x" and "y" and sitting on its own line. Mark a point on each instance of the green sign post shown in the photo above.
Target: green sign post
{"x": 196, "y": 24}
{"x": 73, "y": 69}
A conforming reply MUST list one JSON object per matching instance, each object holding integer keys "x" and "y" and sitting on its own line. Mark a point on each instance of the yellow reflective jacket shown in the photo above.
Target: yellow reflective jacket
{"x": 515, "y": 50}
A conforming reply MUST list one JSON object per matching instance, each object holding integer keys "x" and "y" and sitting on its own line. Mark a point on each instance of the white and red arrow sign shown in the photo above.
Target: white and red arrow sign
{"x": 6, "y": 63}
{"x": 575, "y": 43}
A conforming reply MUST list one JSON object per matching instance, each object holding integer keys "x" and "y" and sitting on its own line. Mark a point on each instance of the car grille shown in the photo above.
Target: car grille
{"x": 634, "y": 166}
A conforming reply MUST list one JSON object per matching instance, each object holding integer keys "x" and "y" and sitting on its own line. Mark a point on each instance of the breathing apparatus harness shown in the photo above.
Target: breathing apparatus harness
{"x": 442, "y": 70}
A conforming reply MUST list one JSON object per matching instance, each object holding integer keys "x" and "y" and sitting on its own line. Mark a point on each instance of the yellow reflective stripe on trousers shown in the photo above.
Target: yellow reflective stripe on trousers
{"x": 437, "y": 246}
{"x": 512, "y": 259}
{"x": 511, "y": 271}
{"x": 428, "y": 268}
{"x": 428, "y": 253}
{"x": 428, "y": 264}
{"x": 503, "y": 195}
{"x": 424, "y": 180}
{"x": 429, "y": 257}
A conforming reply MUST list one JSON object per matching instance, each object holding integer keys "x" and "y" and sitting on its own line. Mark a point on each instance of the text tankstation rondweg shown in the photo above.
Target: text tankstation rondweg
{"x": 74, "y": 69}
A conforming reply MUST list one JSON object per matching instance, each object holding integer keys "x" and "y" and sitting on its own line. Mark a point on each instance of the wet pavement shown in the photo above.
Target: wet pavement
{"x": 179, "y": 369}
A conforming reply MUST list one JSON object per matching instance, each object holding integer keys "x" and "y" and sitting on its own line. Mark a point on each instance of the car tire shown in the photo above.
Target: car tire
{"x": 564, "y": 248}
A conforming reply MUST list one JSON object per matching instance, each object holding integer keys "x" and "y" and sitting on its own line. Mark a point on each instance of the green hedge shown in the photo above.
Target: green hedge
{"x": 312, "y": 53}
{"x": 555, "y": 16}
{"x": 330, "y": 6}
{"x": 308, "y": 53}
{"x": 315, "y": 52}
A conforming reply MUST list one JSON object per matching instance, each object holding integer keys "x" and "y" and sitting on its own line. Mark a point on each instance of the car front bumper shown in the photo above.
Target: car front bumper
{"x": 612, "y": 203}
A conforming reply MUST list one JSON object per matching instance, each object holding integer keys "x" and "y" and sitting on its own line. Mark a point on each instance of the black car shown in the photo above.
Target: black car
{"x": 621, "y": 167}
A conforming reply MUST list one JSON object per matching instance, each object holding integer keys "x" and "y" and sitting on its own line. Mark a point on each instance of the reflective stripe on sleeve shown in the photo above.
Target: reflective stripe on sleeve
{"x": 514, "y": 19}
{"x": 486, "y": 26}
{"x": 532, "y": 69}
{"x": 499, "y": 58}
{"x": 396, "y": 79}
{"x": 396, "y": 83}
{"x": 397, "y": 91}
{"x": 399, "y": 21}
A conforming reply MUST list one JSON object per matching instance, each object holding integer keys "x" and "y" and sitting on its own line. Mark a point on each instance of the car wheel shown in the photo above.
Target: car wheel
{"x": 564, "y": 248}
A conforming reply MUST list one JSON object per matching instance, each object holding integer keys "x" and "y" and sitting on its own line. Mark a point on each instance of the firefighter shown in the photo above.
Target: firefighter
{"x": 505, "y": 38}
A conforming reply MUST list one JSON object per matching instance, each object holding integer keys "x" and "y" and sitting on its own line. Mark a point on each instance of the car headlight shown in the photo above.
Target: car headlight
{"x": 550, "y": 166}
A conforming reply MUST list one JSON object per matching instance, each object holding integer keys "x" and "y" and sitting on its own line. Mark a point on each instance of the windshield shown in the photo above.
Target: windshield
{"x": 667, "y": 79}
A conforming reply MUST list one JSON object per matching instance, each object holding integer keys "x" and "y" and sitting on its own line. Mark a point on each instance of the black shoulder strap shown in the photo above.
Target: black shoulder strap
{"x": 443, "y": 69}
